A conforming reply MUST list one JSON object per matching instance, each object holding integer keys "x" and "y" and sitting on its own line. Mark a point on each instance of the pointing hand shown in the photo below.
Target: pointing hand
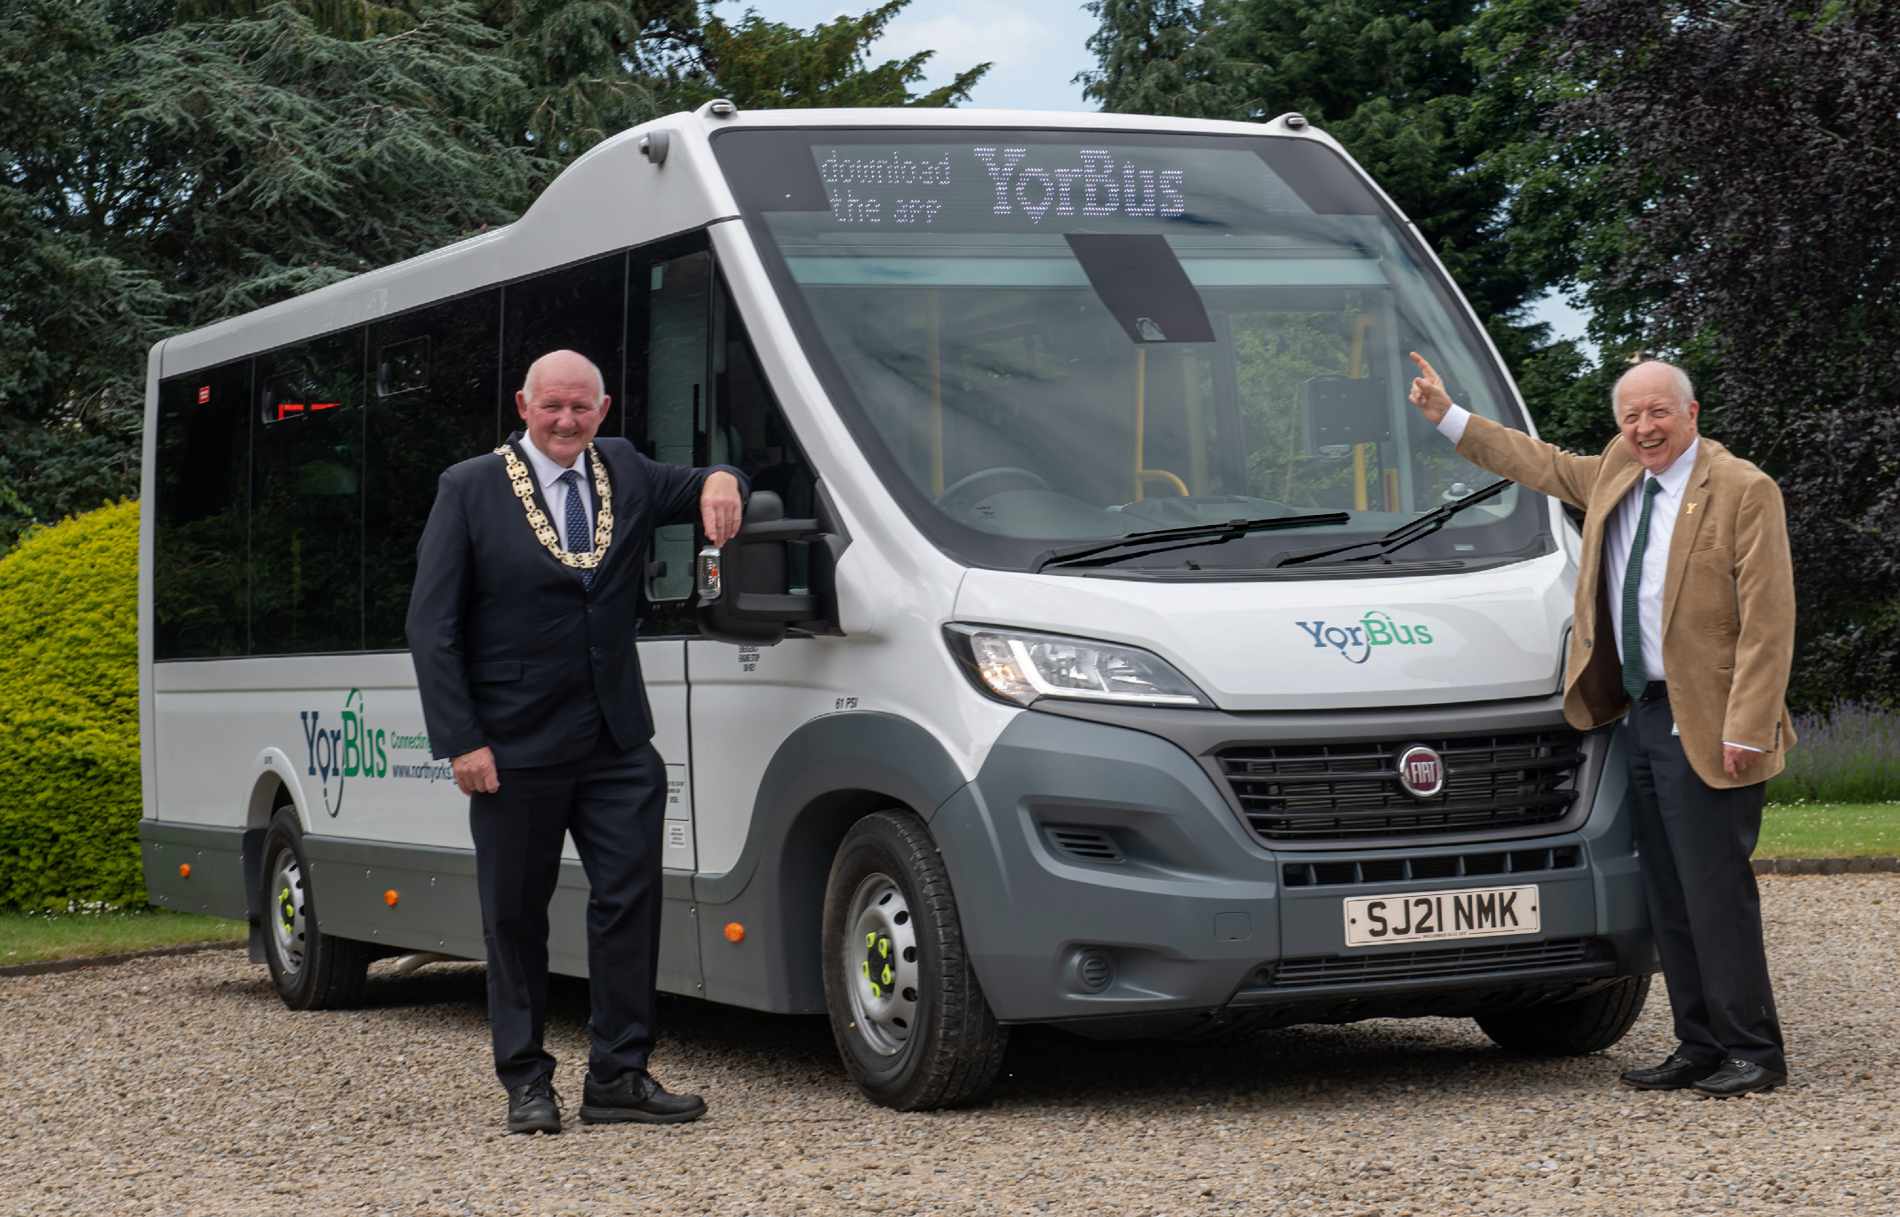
{"x": 1428, "y": 391}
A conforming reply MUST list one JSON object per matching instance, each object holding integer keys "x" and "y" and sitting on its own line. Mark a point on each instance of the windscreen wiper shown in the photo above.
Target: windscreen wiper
{"x": 1404, "y": 534}
{"x": 1160, "y": 540}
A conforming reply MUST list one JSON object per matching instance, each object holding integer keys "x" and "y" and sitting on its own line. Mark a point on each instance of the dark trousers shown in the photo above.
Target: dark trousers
{"x": 1704, "y": 909}
{"x": 613, "y": 803}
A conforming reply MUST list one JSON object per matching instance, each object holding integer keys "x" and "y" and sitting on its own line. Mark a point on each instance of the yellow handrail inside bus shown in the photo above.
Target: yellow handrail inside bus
{"x": 1356, "y": 368}
{"x": 1144, "y": 476}
{"x": 1141, "y": 411}
{"x": 1162, "y": 475}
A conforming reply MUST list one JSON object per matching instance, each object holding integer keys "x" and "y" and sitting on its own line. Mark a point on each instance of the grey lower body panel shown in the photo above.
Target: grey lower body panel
{"x": 436, "y": 906}
{"x": 1084, "y": 841}
{"x": 194, "y": 869}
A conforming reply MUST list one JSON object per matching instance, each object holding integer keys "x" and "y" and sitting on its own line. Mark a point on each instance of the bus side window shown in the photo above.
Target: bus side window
{"x": 307, "y": 498}
{"x": 434, "y": 386}
{"x": 669, "y": 311}
{"x": 579, "y": 308}
{"x": 749, "y": 430}
{"x": 200, "y": 588}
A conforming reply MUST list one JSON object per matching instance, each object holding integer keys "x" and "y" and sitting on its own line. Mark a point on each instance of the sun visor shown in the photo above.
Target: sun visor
{"x": 1143, "y": 284}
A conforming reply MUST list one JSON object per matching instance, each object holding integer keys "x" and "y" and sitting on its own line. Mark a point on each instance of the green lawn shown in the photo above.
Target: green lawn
{"x": 33, "y": 938}
{"x": 1830, "y": 830}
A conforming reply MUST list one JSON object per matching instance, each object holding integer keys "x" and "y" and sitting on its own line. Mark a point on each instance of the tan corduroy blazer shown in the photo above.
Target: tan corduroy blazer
{"x": 1728, "y": 597}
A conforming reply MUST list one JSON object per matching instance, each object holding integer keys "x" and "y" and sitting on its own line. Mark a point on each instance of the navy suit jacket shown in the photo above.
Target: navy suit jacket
{"x": 511, "y": 649}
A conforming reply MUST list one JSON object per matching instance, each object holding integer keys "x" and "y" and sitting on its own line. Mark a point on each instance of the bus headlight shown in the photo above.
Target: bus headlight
{"x": 1017, "y": 666}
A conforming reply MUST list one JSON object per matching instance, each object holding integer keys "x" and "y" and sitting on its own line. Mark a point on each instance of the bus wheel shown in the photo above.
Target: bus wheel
{"x": 906, "y": 1010}
{"x": 309, "y": 969}
{"x": 1572, "y": 1028}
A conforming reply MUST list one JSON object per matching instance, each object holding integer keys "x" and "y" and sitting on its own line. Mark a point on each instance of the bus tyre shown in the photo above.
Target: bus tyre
{"x": 1572, "y": 1028}
{"x": 906, "y": 1010}
{"x": 309, "y": 969}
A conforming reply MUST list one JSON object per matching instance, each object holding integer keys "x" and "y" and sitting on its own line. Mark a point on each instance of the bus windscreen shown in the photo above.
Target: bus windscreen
{"x": 1045, "y": 337}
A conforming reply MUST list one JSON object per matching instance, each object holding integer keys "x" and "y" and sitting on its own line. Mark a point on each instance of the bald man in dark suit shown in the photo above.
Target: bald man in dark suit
{"x": 522, "y": 625}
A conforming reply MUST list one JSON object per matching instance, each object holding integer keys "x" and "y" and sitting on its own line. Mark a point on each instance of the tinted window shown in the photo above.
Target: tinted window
{"x": 307, "y": 499}
{"x": 577, "y": 309}
{"x": 433, "y": 403}
{"x": 199, "y": 589}
{"x": 675, "y": 337}
{"x": 706, "y": 403}
{"x": 749, "y": 429}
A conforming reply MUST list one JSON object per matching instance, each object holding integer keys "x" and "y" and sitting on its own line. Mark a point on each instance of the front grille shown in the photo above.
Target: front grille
{"x": 1447, "y": 963}
{"x": 1355, "y": 871}
{"x": 1351, "y": 792}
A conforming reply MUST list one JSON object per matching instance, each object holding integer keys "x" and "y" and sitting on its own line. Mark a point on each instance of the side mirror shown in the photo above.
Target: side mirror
{"x": 744, "y": 590}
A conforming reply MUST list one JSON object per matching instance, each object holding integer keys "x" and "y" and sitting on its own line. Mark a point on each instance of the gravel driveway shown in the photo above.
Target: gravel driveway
{"x": 182, "y": 1086}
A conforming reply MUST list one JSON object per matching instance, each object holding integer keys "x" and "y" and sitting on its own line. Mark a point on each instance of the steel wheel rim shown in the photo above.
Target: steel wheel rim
{"x": 287, "y": 918}
{"x": 881, "y": 965}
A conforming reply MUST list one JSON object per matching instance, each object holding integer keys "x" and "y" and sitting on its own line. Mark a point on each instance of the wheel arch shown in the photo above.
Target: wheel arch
{"x": 274, "y": 785}
{"x": 831, "y": 772}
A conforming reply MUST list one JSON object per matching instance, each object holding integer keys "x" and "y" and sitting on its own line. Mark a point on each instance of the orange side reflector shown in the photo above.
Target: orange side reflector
{"x": 735, "y": 932}
{"x": 390, "y": 897}
{"x": 184, "y": 870}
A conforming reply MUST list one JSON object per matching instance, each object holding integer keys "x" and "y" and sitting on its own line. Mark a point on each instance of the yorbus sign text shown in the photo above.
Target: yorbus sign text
{"x": 350, "y": 747}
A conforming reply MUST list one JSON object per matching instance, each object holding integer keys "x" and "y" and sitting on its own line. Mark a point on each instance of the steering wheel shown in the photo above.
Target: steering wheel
{"x": 1030, "y": 479}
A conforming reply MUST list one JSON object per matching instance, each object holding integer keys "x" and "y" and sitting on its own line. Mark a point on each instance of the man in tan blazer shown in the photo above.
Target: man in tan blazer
{"x": 1683, "y": 628}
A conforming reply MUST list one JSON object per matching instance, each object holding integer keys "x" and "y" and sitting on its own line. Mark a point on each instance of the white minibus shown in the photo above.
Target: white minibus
{"x": 1109, "y": 644}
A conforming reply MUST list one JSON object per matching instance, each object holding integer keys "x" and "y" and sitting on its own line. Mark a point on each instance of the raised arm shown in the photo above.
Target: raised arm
{"x": 1503, "y": 450}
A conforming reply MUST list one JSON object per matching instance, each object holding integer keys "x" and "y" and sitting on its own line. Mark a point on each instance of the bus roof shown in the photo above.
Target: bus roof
{"x": 614, "y": 196}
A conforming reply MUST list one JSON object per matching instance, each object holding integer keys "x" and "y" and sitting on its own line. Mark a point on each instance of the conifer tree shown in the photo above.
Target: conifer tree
{"x": 166, "y": 163}
{"x": 1391, "y": 80}
{"x": 764, "y": 63}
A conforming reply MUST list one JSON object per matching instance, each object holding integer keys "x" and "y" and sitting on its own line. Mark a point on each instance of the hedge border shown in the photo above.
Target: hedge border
{"x": 1827, "y": 866}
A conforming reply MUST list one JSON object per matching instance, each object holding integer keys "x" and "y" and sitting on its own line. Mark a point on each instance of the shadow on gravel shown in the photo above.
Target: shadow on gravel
{"x": 1309, "y": 1065}
{"x": 1296, "y": 1065}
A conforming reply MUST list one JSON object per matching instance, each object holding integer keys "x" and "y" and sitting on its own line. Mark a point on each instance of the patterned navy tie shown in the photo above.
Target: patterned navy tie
{"x": 580, "y": 534}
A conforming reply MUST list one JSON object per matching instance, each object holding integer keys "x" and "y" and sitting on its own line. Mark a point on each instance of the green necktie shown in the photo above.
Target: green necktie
{"x": 1634, "y": 677}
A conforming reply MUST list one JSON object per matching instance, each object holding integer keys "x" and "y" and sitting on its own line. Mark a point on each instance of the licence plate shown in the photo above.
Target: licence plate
{"x": 1473, "y": 912}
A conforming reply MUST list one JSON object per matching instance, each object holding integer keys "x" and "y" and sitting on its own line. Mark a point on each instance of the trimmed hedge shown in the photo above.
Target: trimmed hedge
{"x": 70, "y": 794}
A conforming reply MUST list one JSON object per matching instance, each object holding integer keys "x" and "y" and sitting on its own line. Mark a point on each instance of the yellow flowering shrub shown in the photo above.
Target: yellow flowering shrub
{"x": 69, "y": 714}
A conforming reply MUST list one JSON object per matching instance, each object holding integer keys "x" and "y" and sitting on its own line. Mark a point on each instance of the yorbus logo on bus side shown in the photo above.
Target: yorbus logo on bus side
{"x": 345, "y": 751}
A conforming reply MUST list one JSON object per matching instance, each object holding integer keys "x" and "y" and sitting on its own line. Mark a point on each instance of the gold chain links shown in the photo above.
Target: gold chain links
{"x": 523, "y": 484}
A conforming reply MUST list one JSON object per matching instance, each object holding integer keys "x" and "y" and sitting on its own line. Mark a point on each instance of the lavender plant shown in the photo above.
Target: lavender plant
{"x": 1849, "y": 755}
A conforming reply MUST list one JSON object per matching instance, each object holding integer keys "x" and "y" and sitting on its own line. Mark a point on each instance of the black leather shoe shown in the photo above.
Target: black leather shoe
{"x": 635, "y": 1098}
{"x": 1737, "y": 1076}
{"x": 534, "y": 1107}
{"x": 1676, "y": 1073}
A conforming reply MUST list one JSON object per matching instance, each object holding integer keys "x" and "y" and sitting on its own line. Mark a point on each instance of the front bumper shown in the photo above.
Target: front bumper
{"x": 1086, "y": 849}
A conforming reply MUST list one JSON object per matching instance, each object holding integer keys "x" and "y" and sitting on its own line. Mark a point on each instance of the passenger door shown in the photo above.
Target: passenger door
{"x": 669, "y": 337}
{"x": 747, "y": 699}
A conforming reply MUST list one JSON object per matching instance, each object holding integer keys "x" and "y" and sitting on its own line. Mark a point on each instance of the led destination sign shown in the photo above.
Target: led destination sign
{"x": 917, "y": 186}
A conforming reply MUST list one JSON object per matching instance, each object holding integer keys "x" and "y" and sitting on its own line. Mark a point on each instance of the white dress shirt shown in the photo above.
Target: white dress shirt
{"x": 547, "y": 475}
{"x": 1619, "y": 532}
